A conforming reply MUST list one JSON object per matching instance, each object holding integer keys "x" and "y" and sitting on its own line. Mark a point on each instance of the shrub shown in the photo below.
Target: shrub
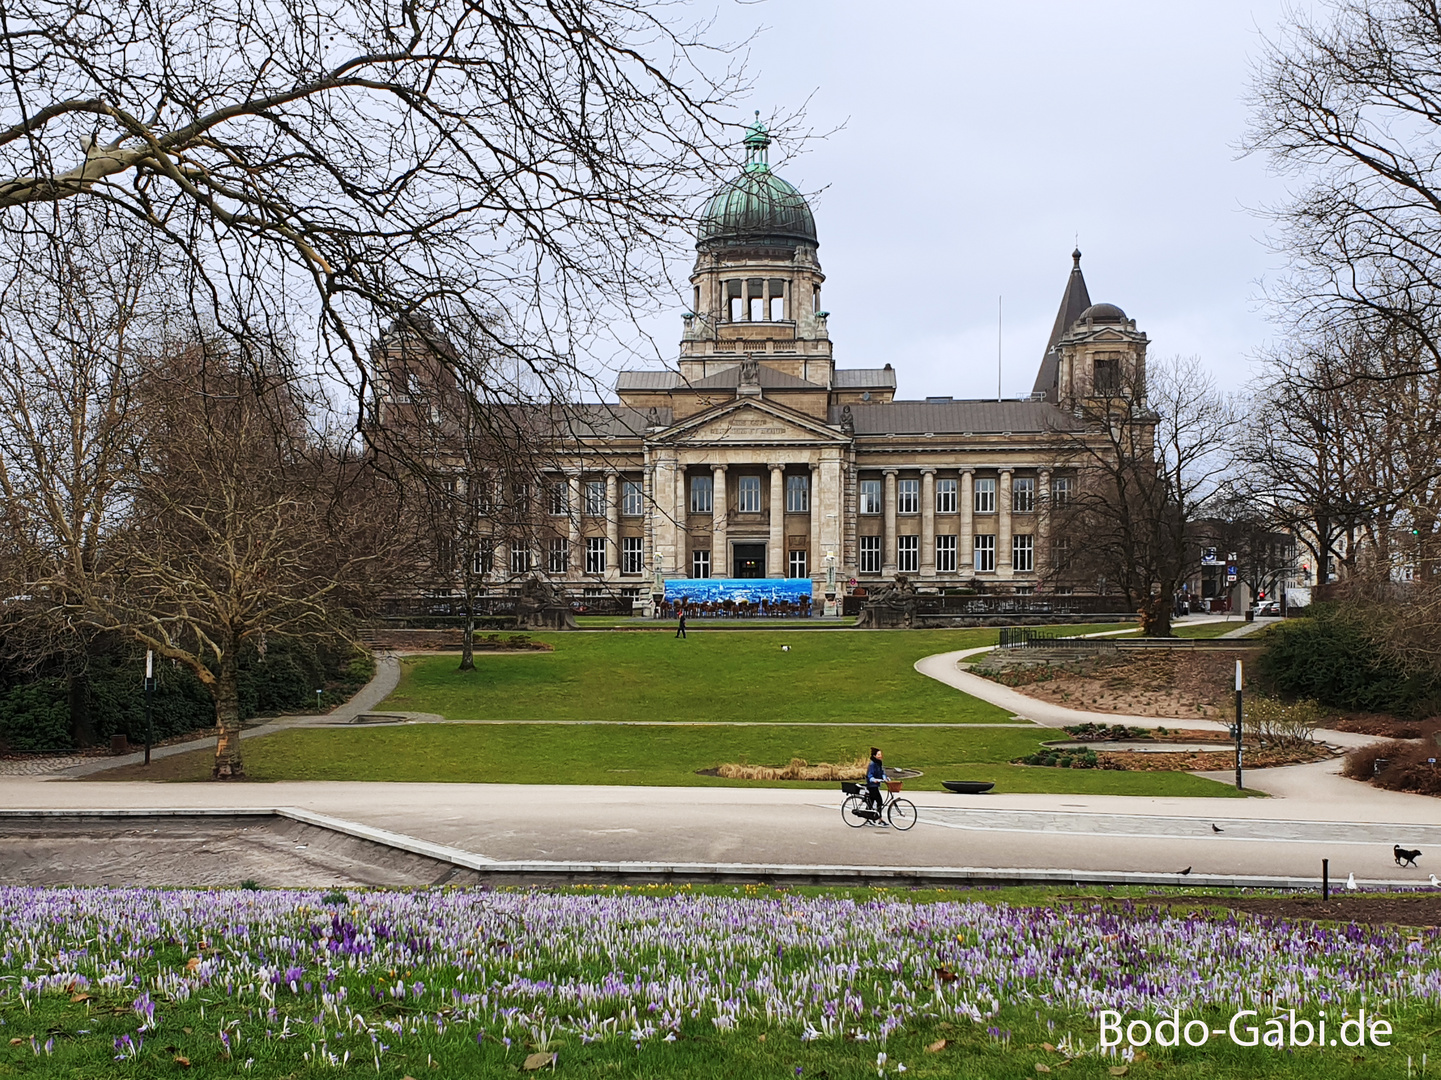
{"x": 1334, "y": 658}
{"x": 35, "y": 716}
{"x": 1277, "y": 723}
{"x": 1404, "y": 766}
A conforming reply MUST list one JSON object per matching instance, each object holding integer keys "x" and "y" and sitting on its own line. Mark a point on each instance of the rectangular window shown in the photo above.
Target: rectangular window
{"x": 559, "y": 498}
{"x": 870, "y": 496}
{"x": 908, "y": 554}
{"x": 595, "y": 498}
{"x": 1061, "y": 552}
{"x": 520, "y": 560}
{"x": 986, "y": 495}
{"x": 700, "y": 494}
{"x": 632, "y": 503}
{"x": 1025, "y": 590}
{"x": 908, "y": 496}
{"x": 700, "y": 564}
{"x": 1061, "y": 490}
{"x": 798, "y": 496}
{"x": 1108, "y": 375}
{"x": 1023, "y": 495}
{"x": 1065, "y": 590}
{"x": 559, "y": 560}
{"x": 632, "y": 554}
{"x": 870, "y": 555}
{"x": 748, "y": 495}
{"x": 946, "y": 554}
{"x": 483, "y": 560}
{"x": 945, "y": 496}
{"x": 796, "y": 565}
{"x": 593, "y": 592}
{"x": 1023, "y": 553}
{"x": 985, "y": 553}
{"x": 595, "y": 554}
{"x": 520, "y": 498}
{"x": 482, "y": 494}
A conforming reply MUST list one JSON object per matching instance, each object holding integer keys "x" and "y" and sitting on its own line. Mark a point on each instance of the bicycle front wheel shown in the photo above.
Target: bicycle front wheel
{"x": 902, "y": 814}
{"x": 852, "y": 808}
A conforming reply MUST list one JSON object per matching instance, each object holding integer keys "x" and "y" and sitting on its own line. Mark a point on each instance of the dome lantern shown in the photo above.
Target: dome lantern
{"x": 756, "y": 208}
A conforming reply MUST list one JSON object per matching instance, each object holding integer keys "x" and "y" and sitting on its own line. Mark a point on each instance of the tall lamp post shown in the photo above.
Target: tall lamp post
{"x": 1237, "y": 728}
{"x": 149, "y": 701}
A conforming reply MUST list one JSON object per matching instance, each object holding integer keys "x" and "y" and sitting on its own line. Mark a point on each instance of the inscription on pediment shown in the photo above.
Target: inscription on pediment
{"x": 749, "y": 425}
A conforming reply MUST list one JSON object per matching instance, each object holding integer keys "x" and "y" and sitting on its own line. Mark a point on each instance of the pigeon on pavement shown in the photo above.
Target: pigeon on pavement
{"x": 1185, "y": 871}
{"x": 1216, "y": 828}
{"x": 1351, "y": 882}
{"x": 1434, "y": 883}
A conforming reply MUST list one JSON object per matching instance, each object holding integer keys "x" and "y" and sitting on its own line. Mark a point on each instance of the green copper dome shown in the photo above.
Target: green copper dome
{"x": 757, "y": 207}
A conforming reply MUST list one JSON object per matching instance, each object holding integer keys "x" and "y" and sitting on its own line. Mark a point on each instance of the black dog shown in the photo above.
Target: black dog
{"x": 1404, "y": 857}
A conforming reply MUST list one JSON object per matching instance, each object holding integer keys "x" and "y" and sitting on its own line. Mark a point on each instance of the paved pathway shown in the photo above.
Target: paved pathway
{"x": 945, "y": 667}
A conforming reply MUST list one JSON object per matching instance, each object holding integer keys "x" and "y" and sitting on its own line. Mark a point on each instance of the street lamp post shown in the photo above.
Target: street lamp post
{"x": 149, "y": 701}
{"x": 1237, "y": 728}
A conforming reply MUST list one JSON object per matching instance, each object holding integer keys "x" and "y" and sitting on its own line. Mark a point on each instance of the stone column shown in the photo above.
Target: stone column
{"x": 888, "y": 557}
{"x": 682, "y": 521}
{"x": 1003, "y": 525}
{"x": 775, "y": 549}
{"x": 720, "y": 561}
{"x": 928, "y": 523}
{"x": 815, "y": 557}
{"x": 577, "y": 545}
{"x": 966, "y": 557}
{"x": 612, "y": 527}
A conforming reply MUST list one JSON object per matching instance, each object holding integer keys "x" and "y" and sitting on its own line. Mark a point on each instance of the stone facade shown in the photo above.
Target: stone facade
{"x": 755, "y": 456}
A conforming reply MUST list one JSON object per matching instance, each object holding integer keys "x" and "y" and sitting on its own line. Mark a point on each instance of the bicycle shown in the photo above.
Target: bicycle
{"x": 899, "y": 813}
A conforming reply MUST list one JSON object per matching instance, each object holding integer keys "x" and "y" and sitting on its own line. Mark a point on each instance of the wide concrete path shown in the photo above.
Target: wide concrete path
{"x": 768, "y": 825}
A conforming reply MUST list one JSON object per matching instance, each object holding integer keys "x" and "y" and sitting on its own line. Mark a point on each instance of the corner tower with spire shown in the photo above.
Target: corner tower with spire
{"x": 1094, "y": 349}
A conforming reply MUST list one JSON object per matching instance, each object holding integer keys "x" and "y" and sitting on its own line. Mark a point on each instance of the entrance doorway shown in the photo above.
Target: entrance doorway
{"x": 749, "y": 560}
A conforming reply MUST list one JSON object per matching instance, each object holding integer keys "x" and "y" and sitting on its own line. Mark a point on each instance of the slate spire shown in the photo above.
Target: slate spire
{"x": 1073, "y": 301}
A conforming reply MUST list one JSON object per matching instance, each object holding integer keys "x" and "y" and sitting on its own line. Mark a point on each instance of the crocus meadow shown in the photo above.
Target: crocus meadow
{"x": 533, "y": 971}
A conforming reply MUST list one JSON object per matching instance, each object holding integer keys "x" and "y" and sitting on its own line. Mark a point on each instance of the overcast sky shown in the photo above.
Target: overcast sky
{"x": 981, "y": 139}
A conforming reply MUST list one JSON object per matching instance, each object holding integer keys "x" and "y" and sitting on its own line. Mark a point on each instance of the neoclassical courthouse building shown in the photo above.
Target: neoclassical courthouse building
{"x": 757, "y": 456}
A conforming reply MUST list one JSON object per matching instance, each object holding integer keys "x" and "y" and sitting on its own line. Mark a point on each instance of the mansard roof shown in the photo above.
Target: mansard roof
{"x": 956, "y": 417}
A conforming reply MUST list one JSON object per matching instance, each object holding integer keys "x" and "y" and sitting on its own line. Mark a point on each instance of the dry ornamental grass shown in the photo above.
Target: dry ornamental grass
{"x": 798, "y": 769}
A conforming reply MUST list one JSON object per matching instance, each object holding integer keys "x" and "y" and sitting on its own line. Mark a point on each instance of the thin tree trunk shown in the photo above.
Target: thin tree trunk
{"x": 467, "y": 647}
{"x": 228, "y": 765}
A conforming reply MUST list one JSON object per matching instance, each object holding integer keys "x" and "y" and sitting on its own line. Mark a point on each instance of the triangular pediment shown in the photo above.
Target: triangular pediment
{"x": 748, "y": 422}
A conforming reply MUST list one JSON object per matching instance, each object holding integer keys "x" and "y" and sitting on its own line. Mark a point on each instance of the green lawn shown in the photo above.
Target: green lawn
{"x": 719, "y": 675}
{"x": 1206, "y": 630}
{"x": 664, "y": 755}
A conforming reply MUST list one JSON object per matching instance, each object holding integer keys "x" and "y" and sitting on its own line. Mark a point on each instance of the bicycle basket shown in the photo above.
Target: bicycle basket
{"x": 893, "y": 785}
{"x": 851, "y": 789}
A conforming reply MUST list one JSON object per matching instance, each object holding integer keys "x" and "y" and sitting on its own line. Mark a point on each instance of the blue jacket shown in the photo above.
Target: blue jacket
{"x": 875, "y": 772}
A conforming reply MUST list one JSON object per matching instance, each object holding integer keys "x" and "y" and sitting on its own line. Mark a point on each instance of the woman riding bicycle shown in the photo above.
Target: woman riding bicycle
{"x": 875, "y": 777}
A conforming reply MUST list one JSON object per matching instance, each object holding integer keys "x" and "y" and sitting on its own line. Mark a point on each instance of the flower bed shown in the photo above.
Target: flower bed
{"x": 390, "y": 983}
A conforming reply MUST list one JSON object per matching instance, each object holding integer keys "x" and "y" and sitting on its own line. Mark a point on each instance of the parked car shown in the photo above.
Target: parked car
{"x": 1268, "y": 608}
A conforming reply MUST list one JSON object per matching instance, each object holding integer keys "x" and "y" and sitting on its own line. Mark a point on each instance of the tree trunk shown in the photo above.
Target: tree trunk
{"x": 228, "y": 765}
{"x": 1156, "y": 616}
{"x": 82, "y": 727}
{"x": 467, "y": 647}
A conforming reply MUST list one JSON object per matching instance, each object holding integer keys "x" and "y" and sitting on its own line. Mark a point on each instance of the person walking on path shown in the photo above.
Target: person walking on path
{"x": 875, "y": 777}
{"x": 680, "y": 626}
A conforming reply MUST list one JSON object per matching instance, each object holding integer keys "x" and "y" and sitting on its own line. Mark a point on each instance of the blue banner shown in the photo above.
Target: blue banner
{"x": 750, "y": 590}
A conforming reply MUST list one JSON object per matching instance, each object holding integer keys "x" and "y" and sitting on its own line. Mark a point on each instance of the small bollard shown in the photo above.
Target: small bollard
{"x": 1325, "y": 879}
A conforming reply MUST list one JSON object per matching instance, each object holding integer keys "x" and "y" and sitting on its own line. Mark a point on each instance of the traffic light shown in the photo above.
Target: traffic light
{"x": 1260, "y": 594}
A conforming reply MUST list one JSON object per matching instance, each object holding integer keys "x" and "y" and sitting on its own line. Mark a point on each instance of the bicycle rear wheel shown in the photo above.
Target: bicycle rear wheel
{"x": 901, "y": 814}
{"x": 851, "y": 808}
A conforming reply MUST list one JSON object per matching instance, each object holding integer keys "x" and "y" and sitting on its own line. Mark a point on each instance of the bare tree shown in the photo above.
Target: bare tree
{"x": 1346, "y": 452}
{"x": 1148, "y": 453}
{"x": 1344, "y": 104}
{"x": 519, "y": 167}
